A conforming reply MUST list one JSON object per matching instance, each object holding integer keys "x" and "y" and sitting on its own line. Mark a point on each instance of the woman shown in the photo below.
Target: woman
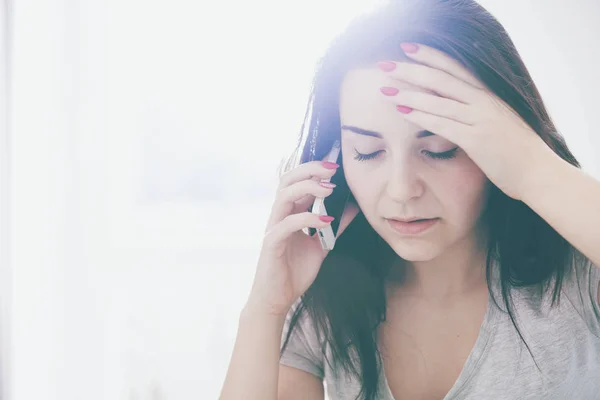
{"x": 493, "y": 294}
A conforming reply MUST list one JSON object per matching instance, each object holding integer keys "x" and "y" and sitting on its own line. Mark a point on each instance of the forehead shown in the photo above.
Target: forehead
{"x": 363, "y": 105}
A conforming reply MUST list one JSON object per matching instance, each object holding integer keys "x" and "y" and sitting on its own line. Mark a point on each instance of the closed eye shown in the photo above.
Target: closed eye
{"x": 446, "y": 155}
{"x": 364, "y": 157}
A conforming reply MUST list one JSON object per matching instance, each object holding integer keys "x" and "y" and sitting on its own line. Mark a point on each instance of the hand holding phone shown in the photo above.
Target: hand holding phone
{"x": 327, "y": 235}
{"x": 290, "y": 259}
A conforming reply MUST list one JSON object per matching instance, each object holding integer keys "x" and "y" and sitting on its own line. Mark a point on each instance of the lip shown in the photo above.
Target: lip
{"x": 407, "y": 219}
{"x": 411, "y": 228}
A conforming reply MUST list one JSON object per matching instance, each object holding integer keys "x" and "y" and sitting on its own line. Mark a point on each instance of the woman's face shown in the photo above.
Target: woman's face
{"x": 401, "y": 178}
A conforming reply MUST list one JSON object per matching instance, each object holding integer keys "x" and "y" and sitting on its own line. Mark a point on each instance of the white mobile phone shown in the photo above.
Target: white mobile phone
{"x": 326, "y": 235}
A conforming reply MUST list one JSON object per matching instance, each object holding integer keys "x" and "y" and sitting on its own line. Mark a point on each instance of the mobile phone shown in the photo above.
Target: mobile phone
{"x": 334, "y": 204}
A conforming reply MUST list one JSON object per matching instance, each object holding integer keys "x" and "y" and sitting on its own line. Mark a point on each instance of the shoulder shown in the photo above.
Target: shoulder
{"x": 582, "y": 288}
{"x": 303, "y": 349}
{"x": 303, "y": 325}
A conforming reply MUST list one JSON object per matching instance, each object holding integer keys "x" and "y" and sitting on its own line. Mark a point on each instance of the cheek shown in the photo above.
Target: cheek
{"x": 465, "y": 190}
{"x": 361, "y": 182}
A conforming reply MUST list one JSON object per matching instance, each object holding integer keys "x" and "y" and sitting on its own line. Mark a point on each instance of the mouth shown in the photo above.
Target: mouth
{"x": 412, "y": 226}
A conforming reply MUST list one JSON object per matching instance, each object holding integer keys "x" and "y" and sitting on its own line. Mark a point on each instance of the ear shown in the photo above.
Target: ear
{"x": 350, "y": 212}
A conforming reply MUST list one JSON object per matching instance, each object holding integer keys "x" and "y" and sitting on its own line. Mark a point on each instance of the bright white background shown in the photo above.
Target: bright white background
{"x": 139, "y": 146}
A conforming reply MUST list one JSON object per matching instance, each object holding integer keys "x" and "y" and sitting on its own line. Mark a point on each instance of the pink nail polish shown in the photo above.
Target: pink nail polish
{"x": 389, "y": 91}
{"x": 386, "y": 66}
{"x": 409, "y": 47}
{"x": 327, "y": 185}
{"x": 404, "y": 109}
{"x": 330, "y": 165}
{"x": 326, "y": 218}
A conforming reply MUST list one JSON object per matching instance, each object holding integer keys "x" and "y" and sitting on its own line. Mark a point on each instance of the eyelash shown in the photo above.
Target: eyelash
{"x": 446, "y": 155}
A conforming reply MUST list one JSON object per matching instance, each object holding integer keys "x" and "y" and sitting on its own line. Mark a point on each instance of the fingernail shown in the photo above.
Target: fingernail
{"x": 389, "y": 91}
{"x": 326, "y": 218}
{"x": 386, "y": 66}
{"x": 327, "y": 185}
{"x": 404, "y": 109}
{"x": 409, "y": 47}
{"x": 330, "y": 165}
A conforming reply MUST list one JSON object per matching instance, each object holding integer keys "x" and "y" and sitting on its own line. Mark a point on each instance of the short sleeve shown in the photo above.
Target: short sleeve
{"x": 582, "y": 290}
{"x": 303, "y": 350}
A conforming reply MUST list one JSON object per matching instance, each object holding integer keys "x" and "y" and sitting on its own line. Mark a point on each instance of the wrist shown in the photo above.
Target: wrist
{"x": 254, "y": 309}
{"x": 542, "y": 174}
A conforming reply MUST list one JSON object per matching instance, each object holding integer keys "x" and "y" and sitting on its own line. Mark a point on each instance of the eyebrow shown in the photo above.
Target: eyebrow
{"x": 378, "y": 135}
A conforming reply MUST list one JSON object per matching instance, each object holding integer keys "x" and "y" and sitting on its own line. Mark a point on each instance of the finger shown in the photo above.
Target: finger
{"x": 307, "y": 201}
{"x": 437, "y": 81}
{"x": 308, "y": 170}
{"x": 455, "y": 132}
{"x": 303, "y": 204}
{"x": 431, "y": 104}
{"x": 287, "y": 197}
{"x": 437, "y": 59}
{"x": 291, "y": 224}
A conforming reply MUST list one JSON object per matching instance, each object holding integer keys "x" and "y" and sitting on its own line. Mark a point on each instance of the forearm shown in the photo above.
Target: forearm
{"x": 569, "y": 200}
{"x": 254, "y": 368}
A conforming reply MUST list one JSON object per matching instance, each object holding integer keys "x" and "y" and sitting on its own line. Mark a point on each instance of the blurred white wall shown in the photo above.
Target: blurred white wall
{"x": 142, "y": 141}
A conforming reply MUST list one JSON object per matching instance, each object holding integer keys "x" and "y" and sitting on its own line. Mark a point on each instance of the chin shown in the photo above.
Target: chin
{"x": 414, "y": 251}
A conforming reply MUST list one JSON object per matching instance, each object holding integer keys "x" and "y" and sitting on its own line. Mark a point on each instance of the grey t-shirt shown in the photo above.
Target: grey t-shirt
{"x": 564, "y": 339}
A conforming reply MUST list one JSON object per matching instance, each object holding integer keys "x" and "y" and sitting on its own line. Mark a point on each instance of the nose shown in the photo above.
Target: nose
{"x": 404, "y": 183}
